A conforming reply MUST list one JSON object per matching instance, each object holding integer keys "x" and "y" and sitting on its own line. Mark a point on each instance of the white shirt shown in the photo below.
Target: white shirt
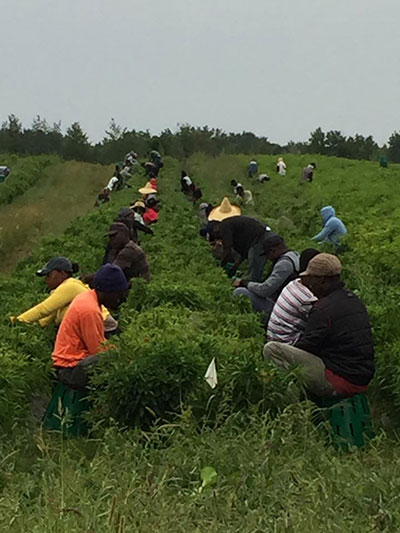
{"x": 111, "y": 183}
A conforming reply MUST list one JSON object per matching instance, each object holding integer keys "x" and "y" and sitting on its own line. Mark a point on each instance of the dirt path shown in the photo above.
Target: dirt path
{"x": 65, "y": 191}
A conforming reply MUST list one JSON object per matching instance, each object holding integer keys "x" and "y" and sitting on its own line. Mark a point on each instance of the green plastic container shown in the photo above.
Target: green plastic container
{"x": 350, "y": 420}
{"x": 65, "y": 411}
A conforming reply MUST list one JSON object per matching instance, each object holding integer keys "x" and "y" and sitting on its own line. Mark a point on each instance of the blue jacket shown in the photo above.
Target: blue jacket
{"x": 333, "y": 227}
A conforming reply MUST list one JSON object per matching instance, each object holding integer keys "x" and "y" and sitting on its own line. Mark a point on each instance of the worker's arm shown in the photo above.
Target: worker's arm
{"x": 316, "y": 331}
{"x": 323, "y": 234}
{"x": 280, "y": 273}
{"x": 141, "y": 227}
{"x": 59, "y": 298}
{"x": 91, "y": 329}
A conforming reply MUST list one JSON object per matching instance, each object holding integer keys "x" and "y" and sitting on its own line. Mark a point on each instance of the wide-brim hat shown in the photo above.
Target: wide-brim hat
{"x": 139, "y": 204}
{"x": 147, "y": 189}
{"x": 224, "y": 210}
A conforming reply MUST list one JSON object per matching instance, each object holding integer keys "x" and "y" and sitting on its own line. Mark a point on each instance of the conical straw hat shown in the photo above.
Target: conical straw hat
{"x": 225, "y": 210}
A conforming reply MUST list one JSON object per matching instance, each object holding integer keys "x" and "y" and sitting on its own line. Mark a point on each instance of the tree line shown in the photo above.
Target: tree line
{"x": 43, "y": 138}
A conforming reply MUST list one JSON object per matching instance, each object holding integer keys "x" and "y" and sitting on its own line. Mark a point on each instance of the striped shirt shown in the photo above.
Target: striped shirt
{"x": 290, "y": 313}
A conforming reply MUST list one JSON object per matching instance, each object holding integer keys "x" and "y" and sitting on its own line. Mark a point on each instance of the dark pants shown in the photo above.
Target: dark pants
{"x": 256, "y": 261}
{"x": 77, "y": 377}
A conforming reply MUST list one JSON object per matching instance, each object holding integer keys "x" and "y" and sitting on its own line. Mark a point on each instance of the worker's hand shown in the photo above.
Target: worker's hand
{"x": 236, "y": 283}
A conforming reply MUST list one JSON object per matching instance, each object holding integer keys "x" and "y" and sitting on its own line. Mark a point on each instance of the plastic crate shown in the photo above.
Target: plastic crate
{"x": 350, "y": 420}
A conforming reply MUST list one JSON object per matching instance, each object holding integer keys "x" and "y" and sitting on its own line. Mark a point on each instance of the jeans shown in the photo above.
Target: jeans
{"x": 76, "y": 376}
{"x": 256, "y": 261}
{"x": 286, "y": 356}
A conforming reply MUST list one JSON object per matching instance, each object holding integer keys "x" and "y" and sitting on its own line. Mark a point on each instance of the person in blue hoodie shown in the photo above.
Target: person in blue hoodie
{"x": 333, "y": 228}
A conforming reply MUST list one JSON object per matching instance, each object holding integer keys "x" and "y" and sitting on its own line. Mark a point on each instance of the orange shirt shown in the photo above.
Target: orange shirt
{"x": 81, "y": 332}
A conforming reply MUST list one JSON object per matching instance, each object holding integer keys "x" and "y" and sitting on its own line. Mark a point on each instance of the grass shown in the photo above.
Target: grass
{"x": 65, "y": 191}
{"x": 275, "y": 471}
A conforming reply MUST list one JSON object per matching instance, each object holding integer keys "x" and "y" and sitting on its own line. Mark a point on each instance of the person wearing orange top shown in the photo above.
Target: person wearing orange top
{"x": 81, "y": 335}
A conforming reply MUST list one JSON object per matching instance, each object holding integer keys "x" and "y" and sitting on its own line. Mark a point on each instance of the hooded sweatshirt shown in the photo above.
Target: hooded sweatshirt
{"x": 285, "y": 269}
{"x": 333, "y": 227}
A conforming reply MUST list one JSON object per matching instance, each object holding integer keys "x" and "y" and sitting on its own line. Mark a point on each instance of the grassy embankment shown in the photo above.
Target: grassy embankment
{"x": 61, "y": 192}
{"x": 274, "y": 472}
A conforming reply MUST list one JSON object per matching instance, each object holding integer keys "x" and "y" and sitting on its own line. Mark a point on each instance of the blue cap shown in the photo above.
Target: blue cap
{"x": 110, "y": 278}
{"x": 56, "y": 263}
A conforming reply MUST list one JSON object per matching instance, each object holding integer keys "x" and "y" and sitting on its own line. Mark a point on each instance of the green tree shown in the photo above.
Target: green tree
{"x": 394, "y": 147}
{"x": 317, "y": 142}
{"x": 77, "y": 144}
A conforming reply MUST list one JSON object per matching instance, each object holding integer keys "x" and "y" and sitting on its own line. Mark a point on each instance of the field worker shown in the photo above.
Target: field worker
{"x": 150, "y": 169}
{"x": 285, "y": 269}
{"x": 81, "y": 336}
{"x": 125, "y": 175}
{"x": 281, "y": 167}
{"x": 292, "y": 308}
{"x": 126, "y": 254}
{"x": 126, "y": 215}
{"x": 383, "y": 162}
{"x": 153, "y": 183}
{"x": 139, "y": 209}
{"x": 235, "y": 184}
{"x": 204, "y": 211}
{"x": 333, "y": 228}
{"x": 262, "y": 178}
{"x": 151, "y": 214}
{"x": 156, "y": 159}
{"x": 102, "y": 198}
{"x": 243, "y": 196}
{"x": 186, "y": 182}
{"x": 4, "y": 172}
{"x": 307, "y": 173}
{"x": 148, "y": 192}
{"x": 252, "y": 168}
{"x": 112, "y": 184}
{"x": 244, "y": 235}
{"x": 335, "y": 351}
{"x": 64, "y": 288}
{"x": 130, "y": 158}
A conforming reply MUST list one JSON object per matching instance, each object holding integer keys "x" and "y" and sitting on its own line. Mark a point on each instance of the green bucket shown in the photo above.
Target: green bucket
{"x": 65, "y": 411}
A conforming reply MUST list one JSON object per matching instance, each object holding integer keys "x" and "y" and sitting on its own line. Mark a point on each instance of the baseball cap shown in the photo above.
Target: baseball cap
{"x": 110, "y": 278}
{"x": 323, "y": 265}
{"x": 271, "y": 240}
{"x": 56, "y": 263}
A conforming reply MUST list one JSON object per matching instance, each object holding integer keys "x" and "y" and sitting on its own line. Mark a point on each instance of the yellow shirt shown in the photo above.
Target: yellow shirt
{"x": 53, "y": 308}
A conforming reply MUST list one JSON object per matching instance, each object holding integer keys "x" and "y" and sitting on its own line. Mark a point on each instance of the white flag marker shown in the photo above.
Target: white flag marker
{"x": 211, "y": 374}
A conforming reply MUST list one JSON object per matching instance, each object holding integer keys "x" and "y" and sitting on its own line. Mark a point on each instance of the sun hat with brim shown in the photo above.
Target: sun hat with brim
{"x": 223, "y": 211}
{"x": 147, "y": 189}
{"x": 56, "y": 263}
{"x": 110, "y": 278}
{"x": 323, "y": 265}
{"x": 138, "y": 204}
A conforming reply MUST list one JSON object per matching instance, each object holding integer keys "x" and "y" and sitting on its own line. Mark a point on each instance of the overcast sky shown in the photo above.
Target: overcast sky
{"x": 279, "y": 68}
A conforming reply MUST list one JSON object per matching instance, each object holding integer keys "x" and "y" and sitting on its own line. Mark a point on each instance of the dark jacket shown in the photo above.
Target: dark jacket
{"x": 240, "y": 234}
{"x": 132, "y": 260}
{"x": 338, "y": 331}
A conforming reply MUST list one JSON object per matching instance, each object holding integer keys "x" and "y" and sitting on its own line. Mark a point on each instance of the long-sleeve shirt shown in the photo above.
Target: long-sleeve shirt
{"x": 81, "y": 333}
{"x": 54, "y": 307}
{"x": 290, "y": 313}
{"x": 283, "y": 271}
{"x": 132, "y": 260}
{"x": 240, "y": 234}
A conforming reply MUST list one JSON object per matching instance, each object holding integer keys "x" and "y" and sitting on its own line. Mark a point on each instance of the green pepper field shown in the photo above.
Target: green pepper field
{"x": 156, "y": 424}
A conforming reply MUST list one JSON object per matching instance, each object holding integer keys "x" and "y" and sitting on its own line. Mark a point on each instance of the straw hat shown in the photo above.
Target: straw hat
{"x": 223, "y": 211}
{"x": 138, "y": 204}
{"x": 147, "y": 189}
